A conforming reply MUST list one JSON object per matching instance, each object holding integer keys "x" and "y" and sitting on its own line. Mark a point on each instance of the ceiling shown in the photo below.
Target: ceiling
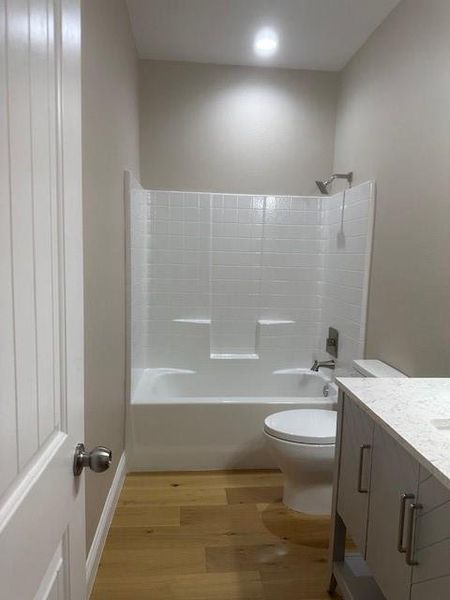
{"x": 313, "y": 34}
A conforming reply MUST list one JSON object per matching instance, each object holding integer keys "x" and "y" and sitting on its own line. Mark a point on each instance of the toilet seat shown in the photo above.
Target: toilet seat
{"x": 304, "y": 426}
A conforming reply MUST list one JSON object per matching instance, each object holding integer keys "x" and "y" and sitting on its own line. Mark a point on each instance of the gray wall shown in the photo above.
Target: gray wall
{"x": 235, "y": 129}
{"x": 393, "y": 125}
{"x": 110, "y": 145}
{"x": 217, "y": 128}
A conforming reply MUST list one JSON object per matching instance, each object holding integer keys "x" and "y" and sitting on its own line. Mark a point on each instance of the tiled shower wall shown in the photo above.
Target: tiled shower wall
{"x": 137, "y": 300}
{"x": 223, "y": 276}
{"x": 348, "y": 220}
{"x": 265, "y": 261}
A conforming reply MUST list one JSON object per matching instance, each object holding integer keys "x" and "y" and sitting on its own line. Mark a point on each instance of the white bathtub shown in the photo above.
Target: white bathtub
{"x": 183, "y": 420}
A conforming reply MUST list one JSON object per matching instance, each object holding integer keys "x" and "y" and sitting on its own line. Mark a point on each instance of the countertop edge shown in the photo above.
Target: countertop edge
{"x": 408, "y": 446}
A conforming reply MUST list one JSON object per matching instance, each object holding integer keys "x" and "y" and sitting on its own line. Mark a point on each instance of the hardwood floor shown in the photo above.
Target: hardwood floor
{"x": 211, "y": 536}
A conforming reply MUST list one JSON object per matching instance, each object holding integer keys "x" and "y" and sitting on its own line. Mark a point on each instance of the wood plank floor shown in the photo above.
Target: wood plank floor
{"x": 211, "y": 536}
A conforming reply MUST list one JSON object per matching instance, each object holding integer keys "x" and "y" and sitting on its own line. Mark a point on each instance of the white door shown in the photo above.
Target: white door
{"x": 42, "y": 548}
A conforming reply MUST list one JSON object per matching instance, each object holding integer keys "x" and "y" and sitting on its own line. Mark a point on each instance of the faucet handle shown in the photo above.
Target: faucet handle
{"x": 332, "y": 341}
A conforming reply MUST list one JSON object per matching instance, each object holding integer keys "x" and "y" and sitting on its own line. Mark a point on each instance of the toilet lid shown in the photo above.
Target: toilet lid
{"x": 303, "y": 425}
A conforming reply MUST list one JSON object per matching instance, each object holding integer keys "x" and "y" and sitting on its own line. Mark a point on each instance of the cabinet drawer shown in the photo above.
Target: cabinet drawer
{"x": 436, "y": 589}
{"x": 433, "y": 520}
{"x": 431, "y": 575}
{"x": 354, "y": 473}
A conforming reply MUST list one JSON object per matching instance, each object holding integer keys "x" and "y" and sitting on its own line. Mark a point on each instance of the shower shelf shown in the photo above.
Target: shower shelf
{"x": 260, "y": 321}
{"x": 193, "y": 321}
{"x": 233, "y": 356}
{"x": 275, "y": 322}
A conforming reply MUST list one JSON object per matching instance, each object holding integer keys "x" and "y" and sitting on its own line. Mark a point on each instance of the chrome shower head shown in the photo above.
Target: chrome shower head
{"x": 323, "y": 185}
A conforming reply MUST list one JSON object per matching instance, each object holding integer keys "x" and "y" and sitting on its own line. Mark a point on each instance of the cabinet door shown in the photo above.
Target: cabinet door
{"x": 431, "y": 574}
{"x": 394, "y": 472}
{"x": 354, "y": 473}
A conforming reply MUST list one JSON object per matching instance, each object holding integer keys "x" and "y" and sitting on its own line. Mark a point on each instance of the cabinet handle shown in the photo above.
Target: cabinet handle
{"x": 410, "y": 546}
{"x": 401, "y": 520}
{"x": 360, "y": 488}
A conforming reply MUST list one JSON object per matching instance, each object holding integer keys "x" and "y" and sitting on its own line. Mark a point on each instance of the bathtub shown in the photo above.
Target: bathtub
{"x": 184, "y": 420}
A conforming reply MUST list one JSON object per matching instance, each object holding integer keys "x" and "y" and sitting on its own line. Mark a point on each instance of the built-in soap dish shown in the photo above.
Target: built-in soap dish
{"x": 268, "y": 322}
{"x": 168, "y": 371}
{"x": 193, "y": 321}
{"x": 233, "y": 356}
{"x": 442, "y": 424}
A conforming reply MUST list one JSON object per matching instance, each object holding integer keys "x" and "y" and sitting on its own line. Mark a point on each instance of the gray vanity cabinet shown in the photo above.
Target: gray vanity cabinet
{"x": 354, "y": 474}
{"x": 396, "y": 512}
{"x": 394, "y": 483}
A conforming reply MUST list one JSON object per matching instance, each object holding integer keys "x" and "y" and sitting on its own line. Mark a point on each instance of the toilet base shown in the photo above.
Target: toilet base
{"x": 308, "y": 474}
{"x": 311, "y": 500}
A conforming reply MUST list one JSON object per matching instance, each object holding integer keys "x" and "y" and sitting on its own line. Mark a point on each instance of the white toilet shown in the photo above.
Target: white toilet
{"x": 302, "y": 442}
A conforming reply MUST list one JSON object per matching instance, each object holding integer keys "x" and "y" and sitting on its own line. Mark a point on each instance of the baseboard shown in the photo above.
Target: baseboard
{"x": 197, "y": 460}
{"x": 99, "y": 540}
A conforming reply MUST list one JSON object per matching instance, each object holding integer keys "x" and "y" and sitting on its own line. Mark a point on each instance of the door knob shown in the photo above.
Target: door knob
{"x": 98, "y": 459}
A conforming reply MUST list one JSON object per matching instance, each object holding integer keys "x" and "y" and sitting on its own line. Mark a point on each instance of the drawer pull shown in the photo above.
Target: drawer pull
{"x": 360, "y": 488}
{"x": 401, "y": 521}
{"x": 410, "y": 546}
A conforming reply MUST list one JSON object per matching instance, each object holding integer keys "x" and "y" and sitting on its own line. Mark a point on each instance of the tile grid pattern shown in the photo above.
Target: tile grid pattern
{"x": 138, "y": 258}
{"x": 292, "y": 257}
{"x": 348, "y": 220}
{"x": 235, "y": 260}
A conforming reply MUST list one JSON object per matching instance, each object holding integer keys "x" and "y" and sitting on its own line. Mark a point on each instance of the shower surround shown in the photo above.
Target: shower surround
{"x": 225, "y": 276}
{"x": 235, "y": 289}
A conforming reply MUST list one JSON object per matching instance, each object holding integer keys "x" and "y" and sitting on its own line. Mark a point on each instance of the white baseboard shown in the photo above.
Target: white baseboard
{"x": 104, "y": 523}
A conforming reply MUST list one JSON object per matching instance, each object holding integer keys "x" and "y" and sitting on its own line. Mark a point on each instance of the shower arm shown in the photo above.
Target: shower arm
{"x": 347, "y": 176}
{"x": 323, "y": 185}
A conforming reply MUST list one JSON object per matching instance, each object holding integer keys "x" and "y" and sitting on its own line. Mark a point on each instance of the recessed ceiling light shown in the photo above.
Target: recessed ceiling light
{"x": 266, "y": 42}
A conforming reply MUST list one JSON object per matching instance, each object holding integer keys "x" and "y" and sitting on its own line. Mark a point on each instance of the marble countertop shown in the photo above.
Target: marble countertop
{"x": 405, "y": 408}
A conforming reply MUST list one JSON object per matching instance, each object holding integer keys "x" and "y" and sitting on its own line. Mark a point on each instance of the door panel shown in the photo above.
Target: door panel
{"x": 30, "y": 228}
{"x": 394, "y": 472}
{"x": 52, "y": 586}
{"x": 45, "y": 212}
{"x": 20, "y": 187}
{"x": 357, "y": 431}
{"x": 8, "y": 422}
{"x": 41, "y": 298}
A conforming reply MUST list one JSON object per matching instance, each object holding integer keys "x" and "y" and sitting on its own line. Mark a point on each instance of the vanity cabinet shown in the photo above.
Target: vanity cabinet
{"x": 395, "y": 511}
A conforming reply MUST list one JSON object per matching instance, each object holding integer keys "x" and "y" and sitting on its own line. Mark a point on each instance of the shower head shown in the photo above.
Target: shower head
{"x": 323, "y": 185}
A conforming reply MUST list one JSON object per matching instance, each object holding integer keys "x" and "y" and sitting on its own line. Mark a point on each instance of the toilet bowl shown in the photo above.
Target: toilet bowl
{"x": 302, "y": 442}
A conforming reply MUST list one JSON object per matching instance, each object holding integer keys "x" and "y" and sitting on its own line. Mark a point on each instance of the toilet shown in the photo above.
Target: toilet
{"x": 302, "y": 442}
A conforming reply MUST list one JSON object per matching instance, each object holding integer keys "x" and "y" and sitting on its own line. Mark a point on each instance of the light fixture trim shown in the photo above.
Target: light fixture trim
{"x": 266, "y": 42}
